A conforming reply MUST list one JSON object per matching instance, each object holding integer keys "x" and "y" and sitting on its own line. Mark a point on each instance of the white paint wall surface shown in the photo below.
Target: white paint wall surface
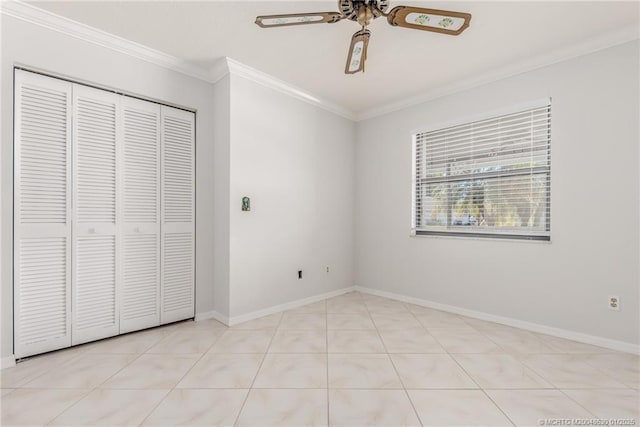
{"x": 595, "y": 214}
{"x": 296, "y": 163}
{"x": 60, "y": 54}
{"x": 221, "y": 188}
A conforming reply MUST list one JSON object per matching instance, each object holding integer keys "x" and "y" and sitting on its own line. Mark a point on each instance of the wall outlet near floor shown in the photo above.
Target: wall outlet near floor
{"x": 614, "y": 303}
{"x": 299, "y": 274}
{"x": 327, "y": 268}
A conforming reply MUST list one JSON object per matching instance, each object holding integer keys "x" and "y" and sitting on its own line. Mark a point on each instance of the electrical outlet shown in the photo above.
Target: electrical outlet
{"x": 327, "y": 268}
{"x": 614, "y": 303}
{"x": 299, "y": 274}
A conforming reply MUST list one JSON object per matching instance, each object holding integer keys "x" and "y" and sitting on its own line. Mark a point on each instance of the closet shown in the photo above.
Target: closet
{"x": 103, "y": 214}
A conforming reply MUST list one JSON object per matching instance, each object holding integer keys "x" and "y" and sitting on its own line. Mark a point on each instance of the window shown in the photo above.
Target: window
{"x": 486, "y": 178}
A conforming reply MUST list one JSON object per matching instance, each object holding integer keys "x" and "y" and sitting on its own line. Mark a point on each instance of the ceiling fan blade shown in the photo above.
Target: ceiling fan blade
{"x": 357, "y": 52}
{"x": 269, "y": 21}
{"x": 439, "y": 21}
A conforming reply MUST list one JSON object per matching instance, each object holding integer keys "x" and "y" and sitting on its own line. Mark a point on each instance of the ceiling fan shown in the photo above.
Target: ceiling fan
{"x": 364, "y": 12}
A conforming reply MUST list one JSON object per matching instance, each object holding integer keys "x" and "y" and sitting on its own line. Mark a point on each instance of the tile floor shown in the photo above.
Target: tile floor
{"x": 352, "y": 360}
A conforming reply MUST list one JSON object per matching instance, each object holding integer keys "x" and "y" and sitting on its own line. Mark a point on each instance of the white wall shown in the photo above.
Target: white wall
{"x": 595, "y": 215}
{"x": 296, "y": 163}
{"x": 57, "y": 53}
{"x": 221, "y": 188}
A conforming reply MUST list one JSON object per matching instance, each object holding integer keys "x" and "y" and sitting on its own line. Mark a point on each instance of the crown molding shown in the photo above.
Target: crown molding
{"x": 28, "y": 13}
{"x": 611, "y": 39}
{"x": 46, "y": 19}
{"x": 230, "y": 66}
{"x": 34, "y": 15}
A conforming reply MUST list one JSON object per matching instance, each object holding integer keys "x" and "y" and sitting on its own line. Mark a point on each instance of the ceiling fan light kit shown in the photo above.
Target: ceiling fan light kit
{"x": 364, "y": 12}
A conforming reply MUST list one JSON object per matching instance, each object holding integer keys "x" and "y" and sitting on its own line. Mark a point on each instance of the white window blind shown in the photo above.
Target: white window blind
{"x": 489, "y": 177}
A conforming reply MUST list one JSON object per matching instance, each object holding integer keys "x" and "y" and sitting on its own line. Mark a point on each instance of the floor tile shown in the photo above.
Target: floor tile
{"x": 431, "y": 371}
{"x": 528, "y": 407}
{"x": 187, "y": 342}
{"x": 286, "y": 407}
{"x": 111, "y": 408}
{"x": 414, "y": 340}
{"x": 375, "y": 299}
{"x": 266, "y": 322}
{"x": 335, "y": 349}
{"x": 500, "y": 371}
{"x": 292, "y": 371}
{"x": 568, "y": 346}
{"x": 34, "y": 407}
{"x": 299, "y": 341}
{"x": 243, "y": 341}
{"x": 417, "y": 309}
{"x": 312, "y": 321}
{"x": 611, "y": 403}
{"x": 622, "y": 367}
{"x": 366, "y": 371}
{"x": 200, "y": 325}
{"x": 223, "y": 371}
{"x": 386, "y": 306}
{"x": 134, "y": 343}
{"x": 28, "y": 370}
{"x": 464, "y": 341}
{"x": 316, "y": 307}
{"x": 153, "y": 371}
{"x": 456, "y": 408}
{"x": 481, "y": 325}
{"x": 394, "y": 321}
{"x": 87, "y": 371}
{"x": 188, "y": 407}
{"x": 518, "y": 341}
{"x": 371, "y": 408}
{"x": 349, "y": 321}
{"x": 346, "y": 306}
{"x": 569, "y": 371}
{"x": 441, "y": 319}
{"x": 353, "y": 341}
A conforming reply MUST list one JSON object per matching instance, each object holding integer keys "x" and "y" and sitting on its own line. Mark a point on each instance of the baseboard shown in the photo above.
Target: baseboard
{"x": 287, "y": 306}
{"x": 7, "y": 362}
{"x": 529, "y": 326}
{"x": 212, "y": 315}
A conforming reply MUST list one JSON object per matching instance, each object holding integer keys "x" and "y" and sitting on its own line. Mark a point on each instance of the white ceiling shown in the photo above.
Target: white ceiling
{"x": 401, "y": 63}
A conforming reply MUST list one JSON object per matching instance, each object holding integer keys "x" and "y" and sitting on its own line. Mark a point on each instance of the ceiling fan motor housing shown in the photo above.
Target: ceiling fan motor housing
{"x": 354, "y": 9}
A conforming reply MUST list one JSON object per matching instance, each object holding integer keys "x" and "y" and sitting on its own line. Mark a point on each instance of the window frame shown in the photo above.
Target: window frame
{"x": 448, "y": 231}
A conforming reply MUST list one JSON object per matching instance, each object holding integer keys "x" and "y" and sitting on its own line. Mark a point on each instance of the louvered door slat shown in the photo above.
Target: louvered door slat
{"x": 42, "y": 226}
{"x": 140, "y": 307}
{"x": 96, "y": 240}
{"x": 178, "y": 207}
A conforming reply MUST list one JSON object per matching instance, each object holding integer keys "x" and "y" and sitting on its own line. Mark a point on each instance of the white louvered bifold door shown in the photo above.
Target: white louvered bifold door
{"x": 178, "y": 210}
{"x": 42, "y": 214}
{"x": 140, "y": 297}
{"x": 95, "y": 264}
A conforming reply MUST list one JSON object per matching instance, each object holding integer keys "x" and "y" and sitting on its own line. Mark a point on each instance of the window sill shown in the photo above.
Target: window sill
{"x": 413, "y": 234}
